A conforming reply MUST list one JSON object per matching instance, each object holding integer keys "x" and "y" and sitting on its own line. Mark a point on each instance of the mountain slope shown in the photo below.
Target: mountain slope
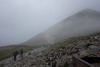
{"x": 82, "y": 23}
{"x": 58, "y": 55}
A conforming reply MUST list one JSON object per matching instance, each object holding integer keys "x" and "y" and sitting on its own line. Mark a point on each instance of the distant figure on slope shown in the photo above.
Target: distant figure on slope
{"x": 44, "y": 45}
{"x": 15, "y": 54}
{"x": 21, "y": 53}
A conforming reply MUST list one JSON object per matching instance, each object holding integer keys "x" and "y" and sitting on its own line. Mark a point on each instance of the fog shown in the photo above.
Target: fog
{"x": 21, "y": 20}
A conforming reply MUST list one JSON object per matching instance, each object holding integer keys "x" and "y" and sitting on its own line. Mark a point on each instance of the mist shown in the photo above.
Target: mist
{"x": 21, "y": 20}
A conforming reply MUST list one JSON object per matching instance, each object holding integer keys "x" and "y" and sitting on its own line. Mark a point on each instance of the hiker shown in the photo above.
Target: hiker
{"x": 44, "y": 45}
{"x": 15, "y": 54}
{"x": 21, "y": 53}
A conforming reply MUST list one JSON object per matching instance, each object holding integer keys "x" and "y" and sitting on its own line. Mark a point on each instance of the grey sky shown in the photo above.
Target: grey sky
{"x": 21, "y": 20}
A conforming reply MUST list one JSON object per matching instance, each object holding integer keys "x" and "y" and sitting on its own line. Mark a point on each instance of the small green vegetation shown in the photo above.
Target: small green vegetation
{"x": 59, "y": 47}
{"x": 78, "y": 38}
{"x": 66, "y": 64}
{"x": 97, "y": 44}
{"x": 63, "y": 64}
{"x": 8, "y": 51}
{"x": 47, "y": 60}
{"x": 54, "y": 64}
{"x": 46, "y": 55}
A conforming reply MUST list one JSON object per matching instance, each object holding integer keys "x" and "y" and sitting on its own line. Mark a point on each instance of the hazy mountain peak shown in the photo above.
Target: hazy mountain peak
{"x": 89, "y": 11}
{"x": 82, "y": 23}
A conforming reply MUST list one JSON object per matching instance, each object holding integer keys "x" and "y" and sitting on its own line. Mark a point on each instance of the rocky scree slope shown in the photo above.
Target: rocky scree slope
{"x": 59, "y": 54}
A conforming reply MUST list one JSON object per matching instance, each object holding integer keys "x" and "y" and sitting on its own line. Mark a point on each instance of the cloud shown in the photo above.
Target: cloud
{"x": 21, "y": 20}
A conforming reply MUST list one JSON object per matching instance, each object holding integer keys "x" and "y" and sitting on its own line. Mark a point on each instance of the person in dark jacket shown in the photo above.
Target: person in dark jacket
{"x": 15, "y": 54}
{"x": 21, "y": 53}
{"x": 44, "y": 45}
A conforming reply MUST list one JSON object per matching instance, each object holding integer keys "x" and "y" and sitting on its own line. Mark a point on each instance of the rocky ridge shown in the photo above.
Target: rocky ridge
{"x": 59, "y": 54}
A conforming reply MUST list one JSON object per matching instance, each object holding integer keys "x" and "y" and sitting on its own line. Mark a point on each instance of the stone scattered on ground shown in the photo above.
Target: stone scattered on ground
{"x": 59, "y": 56}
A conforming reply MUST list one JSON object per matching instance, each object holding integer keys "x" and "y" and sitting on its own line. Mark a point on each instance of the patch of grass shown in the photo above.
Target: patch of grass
{"x": 63, "y": 64}
{"x": 97, "y": 44}
{"x": 8, "y": 52}
{"x": 54, "y": 64}
{"x": 47, "y": 60}
{"x": 59, "y": 47}
{"x": 79, "y": 37}
{"x": 46, "y": 55}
